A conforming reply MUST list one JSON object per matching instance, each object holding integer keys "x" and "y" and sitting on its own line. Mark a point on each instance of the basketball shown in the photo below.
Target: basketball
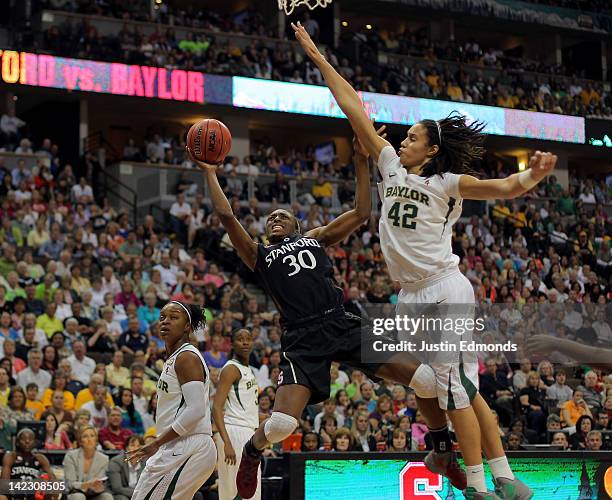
{"x": 209, "y": 141}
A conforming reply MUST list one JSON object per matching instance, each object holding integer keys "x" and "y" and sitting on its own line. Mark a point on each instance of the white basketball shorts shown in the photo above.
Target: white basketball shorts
{"x": 227, "y": 473}
{"x": 178, "y": 469}
{"x": 456, "y": 375}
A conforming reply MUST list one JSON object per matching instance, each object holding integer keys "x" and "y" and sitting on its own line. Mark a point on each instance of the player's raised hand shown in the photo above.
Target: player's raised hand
{"x": 200, "y": 164}
{"x": 542, "y": 164}
{"x": 306, "y": 42}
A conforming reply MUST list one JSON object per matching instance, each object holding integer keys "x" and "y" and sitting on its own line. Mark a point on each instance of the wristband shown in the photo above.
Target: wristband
{"x": 526, "y": 179}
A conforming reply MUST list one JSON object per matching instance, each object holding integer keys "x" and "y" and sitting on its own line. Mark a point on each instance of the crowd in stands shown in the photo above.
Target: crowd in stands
{"x": 81, "y": 290}
{"x": 426, "y": 76}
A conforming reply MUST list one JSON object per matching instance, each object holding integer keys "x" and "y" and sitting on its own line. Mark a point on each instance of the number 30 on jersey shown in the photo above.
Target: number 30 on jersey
{"x": 304, "y": 260}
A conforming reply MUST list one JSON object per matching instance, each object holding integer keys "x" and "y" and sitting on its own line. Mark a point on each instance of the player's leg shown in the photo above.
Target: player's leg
{"x": 506, "y": 484}
{"x": 404, "y": 368}
{"x": 239, "y": 436}
{"x": 289, "y": 403}
{"x": 227, "y": 480}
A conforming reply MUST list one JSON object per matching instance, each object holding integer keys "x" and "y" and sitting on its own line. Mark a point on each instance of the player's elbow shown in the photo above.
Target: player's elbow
{"x": 362, "y": 214}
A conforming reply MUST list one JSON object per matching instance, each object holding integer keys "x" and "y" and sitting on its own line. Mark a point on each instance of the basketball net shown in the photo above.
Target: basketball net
{"x": 289, "y": 5}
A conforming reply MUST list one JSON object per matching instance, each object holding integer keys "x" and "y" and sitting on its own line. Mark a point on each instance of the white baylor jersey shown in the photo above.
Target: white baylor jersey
{"x": 417, "y": 217}
{"x": 242, "y": 407}
{"x": 170, "y": 401}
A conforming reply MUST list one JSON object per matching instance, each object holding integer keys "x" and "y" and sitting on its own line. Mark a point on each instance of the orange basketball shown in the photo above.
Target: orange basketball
{"x": 209, "y": 141}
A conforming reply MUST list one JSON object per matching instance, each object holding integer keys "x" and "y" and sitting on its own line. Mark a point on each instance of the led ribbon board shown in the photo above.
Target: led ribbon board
{"x": 315, "y": 100}
{"x": 113, "y": 78}
{"x": 23, "y": 68}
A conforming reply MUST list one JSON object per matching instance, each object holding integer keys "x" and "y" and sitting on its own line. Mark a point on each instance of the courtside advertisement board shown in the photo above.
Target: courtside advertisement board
{"x": 393, "y": 476}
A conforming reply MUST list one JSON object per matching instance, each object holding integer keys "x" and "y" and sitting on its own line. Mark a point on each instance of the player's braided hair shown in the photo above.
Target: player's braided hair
{"x": 460, "y": 144}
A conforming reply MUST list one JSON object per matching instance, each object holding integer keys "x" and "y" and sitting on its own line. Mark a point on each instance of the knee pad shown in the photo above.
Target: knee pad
{"x": 279, "y": 426}
{"x": 424, "y": 382}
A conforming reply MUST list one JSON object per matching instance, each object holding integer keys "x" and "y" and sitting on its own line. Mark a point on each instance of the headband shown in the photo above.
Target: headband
{"x": 439, "y": 132}
{"x": 184, "y": 308}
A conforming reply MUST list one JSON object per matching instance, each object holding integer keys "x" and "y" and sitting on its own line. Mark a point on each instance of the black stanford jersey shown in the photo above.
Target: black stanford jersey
{"x": 299, "y": 276}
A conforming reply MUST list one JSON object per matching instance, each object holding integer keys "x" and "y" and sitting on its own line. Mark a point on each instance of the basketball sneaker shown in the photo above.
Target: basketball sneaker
{"x": 446, "y": 465}
{"x": 512, "y": 489}
{"x": 471, "y": 494}
{"x": 246, "y": 479}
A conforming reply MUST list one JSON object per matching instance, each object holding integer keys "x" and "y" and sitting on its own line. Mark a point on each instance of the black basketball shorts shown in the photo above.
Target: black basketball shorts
{"x": 308, "y": 351}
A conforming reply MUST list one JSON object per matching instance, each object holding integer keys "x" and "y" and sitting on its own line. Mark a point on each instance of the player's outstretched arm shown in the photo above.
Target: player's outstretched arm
{"x": 577, "y": 351}
{"x": 348, "y": 222}
{"x": 243, "y": 243}
{"x": 345, "y": 95}
{"x": 540, "y": 165}
{"x": 229, "y": 376}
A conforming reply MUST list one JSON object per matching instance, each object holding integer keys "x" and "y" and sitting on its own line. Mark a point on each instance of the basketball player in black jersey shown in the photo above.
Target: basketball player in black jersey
{"x": 23, "y": 465}
{"x": 299, "y": 276}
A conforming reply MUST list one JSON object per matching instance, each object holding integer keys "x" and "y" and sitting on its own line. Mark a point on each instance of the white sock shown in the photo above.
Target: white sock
{"x": 476, "y": 477}
{"x": 500, "y": 467}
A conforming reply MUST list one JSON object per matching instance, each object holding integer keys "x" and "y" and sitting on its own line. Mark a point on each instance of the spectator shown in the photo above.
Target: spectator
{"x": 132, "y": 419}
{"x": 560, "y": 439}
{"x": 310, "y": 441}
{"x": 59, "y": 382}
{"x": 98, "y": 408}
{"x": 87, "y": 394}
{"x": 559, "y": 391}
{"x": 214, "y": 356}
{"x": 398, "y": 442}
{"x": 55, "y": 437}
{"x": 575, "y": 408}
{"x": 33, "y": 373}
{"x": 149, "y": 313}
{"x": 10, "y": 126}
{"x": 9, "y": 415}
{"x": 132, "y": 340}
{"x": 57, "y": 408}
{"x": 117, "y": 375}
{"x": 584, "y": 425}
{"x": 122, "y": 475}
{"x": 85, "y": 468}
{"x": 362, "y": 434}
{"x": 82, "y": 365}
{"x": 114, "y": 436}
{"x": 140, "y": 401}
{"x": 495, "y": 388}
{"x": 589, "y": 390}
{"x": 81, "y": 192}
{"x": 329, "y": 410}
{"x": 49, "y": 322}
{"x": 343, "y": 440}
{"x": 5, "y": 387}
{"x": 32, "y": 402}
{"x": 532, "y": 400}
{"x": 513, "y": 441}
{"x": 594, "y": 441}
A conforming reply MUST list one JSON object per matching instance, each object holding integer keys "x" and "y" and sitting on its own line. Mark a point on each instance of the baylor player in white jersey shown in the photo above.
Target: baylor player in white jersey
{"x": 183, "y": 456}
{"x": 428, "y": 174}
{"x": 236, "y": 413}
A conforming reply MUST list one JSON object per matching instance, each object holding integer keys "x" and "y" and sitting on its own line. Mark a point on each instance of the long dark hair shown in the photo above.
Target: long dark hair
{"x": 130, "y": 409}
{"x": 460, "y": 144}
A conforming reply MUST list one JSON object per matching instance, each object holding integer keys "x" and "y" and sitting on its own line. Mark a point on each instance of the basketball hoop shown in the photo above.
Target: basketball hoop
{"x": 289, "y": 5}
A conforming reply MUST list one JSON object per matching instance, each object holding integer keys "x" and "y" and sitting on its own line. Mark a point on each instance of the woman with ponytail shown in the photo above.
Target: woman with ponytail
{"x": 422, "y": 192}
